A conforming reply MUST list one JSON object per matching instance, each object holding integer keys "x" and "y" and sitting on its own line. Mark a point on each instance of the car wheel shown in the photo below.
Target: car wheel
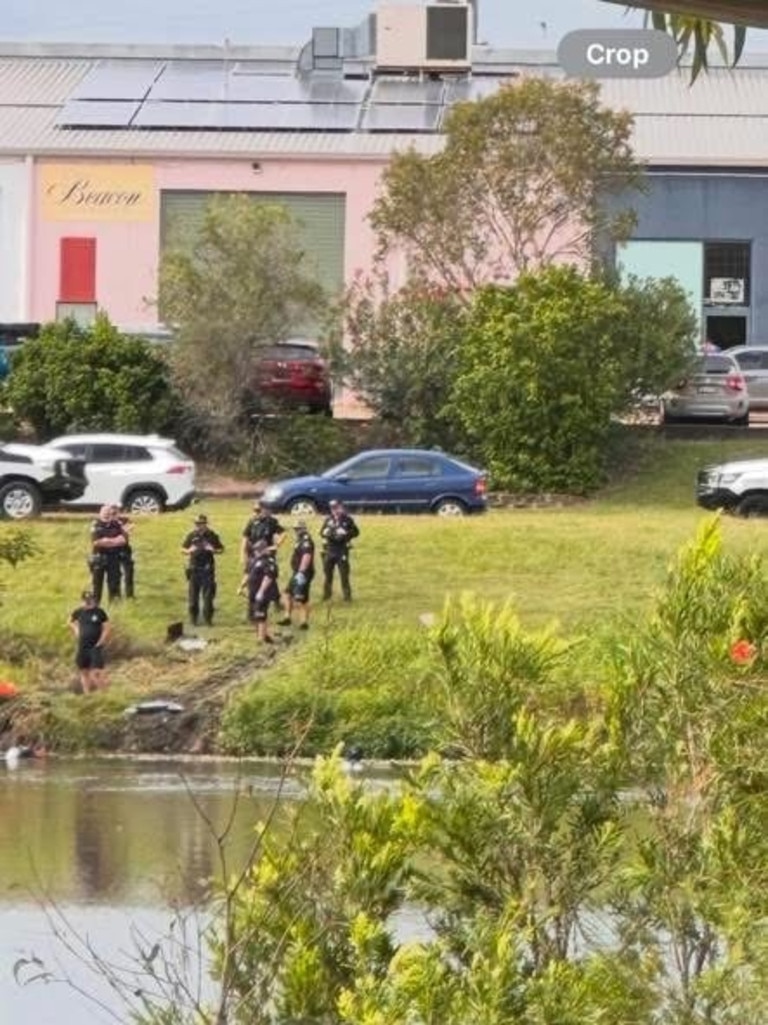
{"x": 753, "y": 506}
{"x": 301, "y": 507}
{"x": 450, "y": 507}
{"x": 19, "y": 500}
{"x": 144, "y": 500}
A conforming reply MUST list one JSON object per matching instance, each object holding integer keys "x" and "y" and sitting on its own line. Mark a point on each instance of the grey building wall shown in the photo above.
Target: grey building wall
{"x": 708, "y": 207}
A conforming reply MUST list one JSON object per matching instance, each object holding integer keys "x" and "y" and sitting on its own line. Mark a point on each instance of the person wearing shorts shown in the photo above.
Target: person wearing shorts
{"x": 90, "y": 625}
{"x": 296, "y": 595}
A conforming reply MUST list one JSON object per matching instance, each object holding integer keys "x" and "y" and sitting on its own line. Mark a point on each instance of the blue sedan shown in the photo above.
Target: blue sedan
{"x": 393, "y": 480}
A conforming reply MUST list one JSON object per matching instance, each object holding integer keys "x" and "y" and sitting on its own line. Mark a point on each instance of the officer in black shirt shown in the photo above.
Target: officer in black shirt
{"x": 108, "y": 539}
{"x": 90, "y": 625}
{"x": 126, "y": 552}
{"x": 201, "y": 545}
{"x": 338, "y": 531}
{"x": 302, "y": 573}
{"x": 262, "y": 526}
{"x": 259, "y": 582}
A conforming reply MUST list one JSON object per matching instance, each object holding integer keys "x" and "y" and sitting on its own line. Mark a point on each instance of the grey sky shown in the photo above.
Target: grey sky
{"x": 516, "y": 23}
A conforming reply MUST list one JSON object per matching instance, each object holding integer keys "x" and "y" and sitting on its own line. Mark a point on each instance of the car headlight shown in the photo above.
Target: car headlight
{"x": 272, "y": 493}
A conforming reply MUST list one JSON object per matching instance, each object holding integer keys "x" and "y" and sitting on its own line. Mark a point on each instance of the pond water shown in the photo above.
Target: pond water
{"x": 102, "y": 852}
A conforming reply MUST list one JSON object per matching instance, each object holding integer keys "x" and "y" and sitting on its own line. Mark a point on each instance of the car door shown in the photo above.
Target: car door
{"x": 364, "y": 483}
{"x": 754, "y": 366}
{"x": 416, "y": 480}
{"x": 80, "y": 451}
{"x": 105, "y": 469}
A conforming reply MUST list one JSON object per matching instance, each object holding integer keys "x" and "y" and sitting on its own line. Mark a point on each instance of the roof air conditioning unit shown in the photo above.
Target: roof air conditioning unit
{"x": 726, "y": 290}
{"x": 429, "y": 37}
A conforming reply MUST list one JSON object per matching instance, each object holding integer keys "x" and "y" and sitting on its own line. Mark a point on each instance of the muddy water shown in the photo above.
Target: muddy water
{"x": 104, "y": 851}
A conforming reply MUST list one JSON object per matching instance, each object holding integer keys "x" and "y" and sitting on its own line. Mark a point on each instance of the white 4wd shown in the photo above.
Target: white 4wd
{"x": 740, "y": 487}
{"x": 33, "y": 476}
{"x": 139, "y": 472}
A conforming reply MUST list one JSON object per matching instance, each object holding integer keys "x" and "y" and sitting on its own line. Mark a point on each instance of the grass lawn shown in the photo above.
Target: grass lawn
{"x": 572, "y": 566}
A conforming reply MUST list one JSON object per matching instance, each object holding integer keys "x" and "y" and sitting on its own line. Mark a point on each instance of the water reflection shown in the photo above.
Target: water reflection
{"x": 125, "y": 831}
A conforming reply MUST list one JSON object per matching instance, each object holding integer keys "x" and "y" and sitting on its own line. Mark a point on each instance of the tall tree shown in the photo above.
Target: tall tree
{"x": 243, "y": 286}
{"x": 522, "y": 181}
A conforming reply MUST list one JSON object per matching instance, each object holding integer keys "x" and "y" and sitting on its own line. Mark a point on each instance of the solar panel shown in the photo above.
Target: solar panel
{"x": 97, "y": 113}
{"x": 388, "y": 90}
{"x": 191, "y": 80}
{"x": 406, "y": 118}
{"x": 252, "y": 116}
{"x": 474, "y": 88}
{"x": 117, "y": 80}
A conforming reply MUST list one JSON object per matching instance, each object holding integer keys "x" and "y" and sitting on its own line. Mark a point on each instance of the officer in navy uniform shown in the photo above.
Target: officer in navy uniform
{"x": 262, "y": 526}
{"x": 127, "y": 566}
{"x": 90, "y": 625}
{"x": 296, "y": 593}
{"x": 259, "y": 583}
{"x": 338, "y": 532}
{"x": 108, "y": 539}
{"x": 201, "y": 545}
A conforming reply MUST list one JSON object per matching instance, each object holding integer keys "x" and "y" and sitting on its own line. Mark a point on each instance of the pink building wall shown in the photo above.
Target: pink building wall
{"x": 127, "y": 251}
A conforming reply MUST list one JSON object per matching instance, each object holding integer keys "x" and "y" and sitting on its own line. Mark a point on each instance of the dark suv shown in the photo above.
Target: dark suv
{"x": 292, "y": 375}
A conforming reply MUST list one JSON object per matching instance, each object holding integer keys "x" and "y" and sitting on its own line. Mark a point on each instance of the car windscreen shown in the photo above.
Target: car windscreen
{"x": 289, "y": 353}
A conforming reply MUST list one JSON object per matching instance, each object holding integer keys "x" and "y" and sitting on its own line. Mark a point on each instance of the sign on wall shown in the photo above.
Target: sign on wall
{"x": 97, "y": 192}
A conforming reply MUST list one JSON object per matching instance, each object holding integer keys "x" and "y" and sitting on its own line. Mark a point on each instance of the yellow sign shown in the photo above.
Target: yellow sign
{"x": 97, "y": 192}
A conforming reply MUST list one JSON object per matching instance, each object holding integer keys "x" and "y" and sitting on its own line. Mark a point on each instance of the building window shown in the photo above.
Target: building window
{"x": 727, "y": 273}
{"x": 83, "y": 314}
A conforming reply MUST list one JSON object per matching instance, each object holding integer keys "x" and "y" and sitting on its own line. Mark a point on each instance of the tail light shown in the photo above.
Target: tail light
{"x": 481, "y": 486}
{"x": 180, "y": 468}
{"x": 735, "y": 382}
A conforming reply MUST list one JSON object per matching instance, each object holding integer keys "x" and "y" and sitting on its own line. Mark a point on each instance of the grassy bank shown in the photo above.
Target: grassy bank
{"x": 574, "y": 568}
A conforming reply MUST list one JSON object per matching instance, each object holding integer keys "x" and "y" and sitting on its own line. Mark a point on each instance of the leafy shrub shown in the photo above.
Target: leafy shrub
{"x": 93, "y": 379}
{"x": 371, "y": 689}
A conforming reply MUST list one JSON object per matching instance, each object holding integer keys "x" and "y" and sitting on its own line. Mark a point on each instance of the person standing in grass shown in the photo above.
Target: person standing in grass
{"x": 201, "y": 546}
{"x": 302, "y": 572}
{"x": 91, "y": 627}
{"x": 108, "y": 539}
{"x": 338, "y": 532}
{"x": 259, "y": 584}
{"x": 262, "y": 526}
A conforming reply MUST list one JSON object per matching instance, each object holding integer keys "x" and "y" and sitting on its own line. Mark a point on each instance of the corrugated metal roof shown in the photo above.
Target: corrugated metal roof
{"x": 722, "y": 119}
{"x": 25, "y": 130}
{"x": 41, "y": 81}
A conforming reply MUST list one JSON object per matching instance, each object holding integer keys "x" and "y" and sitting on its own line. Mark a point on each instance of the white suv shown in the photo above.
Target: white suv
{"x": 139, "y": 472}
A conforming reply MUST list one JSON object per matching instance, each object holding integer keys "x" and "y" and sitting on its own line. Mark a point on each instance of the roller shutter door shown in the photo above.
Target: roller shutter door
{"x": 319, "y": 218}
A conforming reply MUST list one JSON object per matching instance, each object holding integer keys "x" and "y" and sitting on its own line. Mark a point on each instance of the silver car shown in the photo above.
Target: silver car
{"x": 714, "y": 389}
{"x": 753, "y": 362}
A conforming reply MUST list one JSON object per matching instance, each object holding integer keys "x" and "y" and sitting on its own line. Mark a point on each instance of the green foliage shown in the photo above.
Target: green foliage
{"x": 16, "y": 546}
{"x": 244, "y": 286}
{"x": 699, "y": 34}
{"x": 547, "y": 362}
{"x": 368, "y": 688}
{"x": 514, "y": 186}
{"x": 399, "y": 354}
{"x": 91, "y": 379}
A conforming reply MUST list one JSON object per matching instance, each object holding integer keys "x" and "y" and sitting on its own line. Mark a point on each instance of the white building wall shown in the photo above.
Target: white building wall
{"x": 14, "y": 240}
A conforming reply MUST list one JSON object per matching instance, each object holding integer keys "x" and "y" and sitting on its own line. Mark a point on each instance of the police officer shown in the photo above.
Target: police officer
{"x": 127, "y": 568}
{"x": 201, "y": 545}
{"x": 108, "y": 538}
{"x": 338, "y": 531}
{"x": 90, "y": 625}
{"x": 260, "y": 581}
{"x": 262, "y": 526}
{"x": 302, "y": 573}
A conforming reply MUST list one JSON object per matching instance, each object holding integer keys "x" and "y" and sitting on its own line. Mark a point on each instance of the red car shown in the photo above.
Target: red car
{"x": 293, "y": 374}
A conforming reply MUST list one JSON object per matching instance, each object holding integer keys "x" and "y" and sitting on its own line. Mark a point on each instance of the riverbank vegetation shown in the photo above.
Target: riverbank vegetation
{"x": 364, "y": 674}
{"x": 593, "y": 861}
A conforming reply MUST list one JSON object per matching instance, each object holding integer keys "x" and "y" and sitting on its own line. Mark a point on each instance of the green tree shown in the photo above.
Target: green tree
{"x": 244, "y": 286}
{"x": 547, "y": 362}
{"x": 399, "y": 355}
{"x": 94, "y": 379}
{"x": 524, "y": 179}
{"x": 694, "y": 25}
